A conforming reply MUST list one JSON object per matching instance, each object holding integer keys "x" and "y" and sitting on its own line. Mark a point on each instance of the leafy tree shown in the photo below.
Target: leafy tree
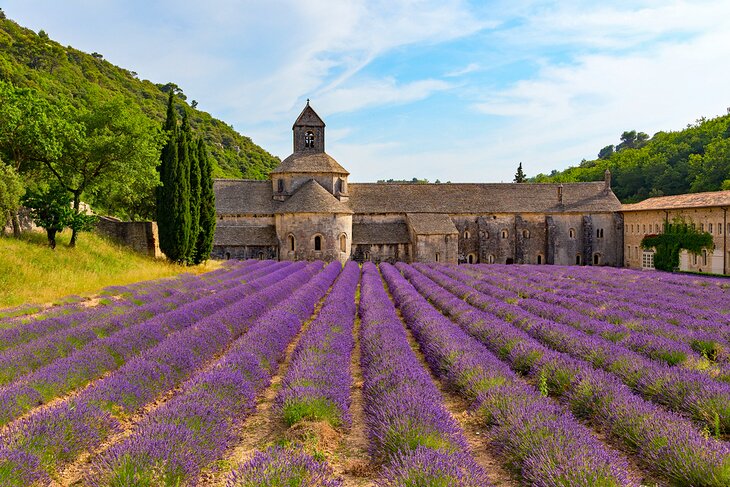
{"x": 173, "y": 197}
{"x": 207, "y": 206}
{"x": 11, "y": 190}
{"x": 606, "y": 152}
{"x": 111, "y": 145}
{"x": 51, "y": 210}
{"x": 520, "y": 176}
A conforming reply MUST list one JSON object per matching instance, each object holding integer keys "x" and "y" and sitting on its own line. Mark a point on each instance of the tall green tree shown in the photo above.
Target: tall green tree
{"x": 112, "y": 145}
{"x": 173, "y": 197}
{"x": 520, "y": 175}
{"x": 11, "y": 190}
{"x": 51, "y": 210}
{"x": 207, "y": 206}
{"x": 195, "y": 189}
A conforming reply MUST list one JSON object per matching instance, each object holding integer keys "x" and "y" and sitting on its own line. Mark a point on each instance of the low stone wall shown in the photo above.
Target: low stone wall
{"x": 140, "y": 236}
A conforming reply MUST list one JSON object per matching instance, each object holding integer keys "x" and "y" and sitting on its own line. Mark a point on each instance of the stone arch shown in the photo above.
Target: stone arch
{"x": 467, "y": 235}
{"x": 505, "y": 233}
{"x": 317, "y": 242}
{"x": 539, "y": 259}
{"x": 597, "y": 258}
{"x": 525, "y": 233}
{"x": 291, "y": 242}
{"x": 471, "y": 259}
{"x": 309, "y": 139}
{"x": 490, "y": 259}
{"x": 578, "y": 259}
{"x": 571, "y": 233}
{"x": 343, "y": 242}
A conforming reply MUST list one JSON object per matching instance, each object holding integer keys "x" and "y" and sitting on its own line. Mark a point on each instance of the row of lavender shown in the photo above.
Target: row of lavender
{"x": 316, "y": 388}
{"x": 542, "y": 443}
{"x": 674, "y": 337}
{"x": 171, "y": 445}
{"x": 65, "y": 374}
{"x": 40, "y": 342}
{"x": 685, "y": 391}
{"x": 44, "y": 442}
{"x": 665, "y": 443}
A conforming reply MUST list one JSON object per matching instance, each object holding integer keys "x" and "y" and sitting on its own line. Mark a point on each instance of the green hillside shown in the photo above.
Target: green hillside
{"x": 32, "y": 60}
{"x": 692, "y": 160}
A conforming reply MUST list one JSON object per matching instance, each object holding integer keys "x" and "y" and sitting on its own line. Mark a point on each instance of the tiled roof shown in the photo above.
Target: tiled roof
{"x": 313, "y": 198}
{"x": 380, "y": 233}
{"x": 480, "y": 198}
{"x": 309, "y": 118}
{"x": 691, "y": 200}
{"x": 243, "y": 197}
{"x": 307, "y": 161}
{"x": 245, "y": 235}
{"x": 431, "y": 224}
{"x": 235, "y": 197}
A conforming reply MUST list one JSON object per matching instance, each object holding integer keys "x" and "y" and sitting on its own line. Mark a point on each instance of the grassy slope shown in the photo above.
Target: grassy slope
{"x": 30, "y": 272}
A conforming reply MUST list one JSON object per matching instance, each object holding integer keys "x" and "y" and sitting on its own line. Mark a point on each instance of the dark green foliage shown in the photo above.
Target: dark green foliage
{"x": 520, "y": 175}
{"x": 207, "y": 207}
{"x": 173, "y": 205}
{"x": 11, "y": 190}
{"x": 690, "y": 160}
{"x": 677, "y": 236}
{"x": 62, "y": 74}
{"x": 194, "y": 182}
{"x": 51, "y": 210}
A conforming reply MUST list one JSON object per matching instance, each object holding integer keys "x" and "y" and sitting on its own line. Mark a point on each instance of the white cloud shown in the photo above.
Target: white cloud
{"x": 470, "y": 68}
{"x": 378, "y": 92}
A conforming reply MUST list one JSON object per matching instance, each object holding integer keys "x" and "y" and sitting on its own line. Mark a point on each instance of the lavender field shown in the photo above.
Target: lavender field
{"x": 293, "y": 374}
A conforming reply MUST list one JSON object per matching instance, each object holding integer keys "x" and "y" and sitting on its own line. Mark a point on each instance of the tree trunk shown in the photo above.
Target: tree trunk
{"x": 51, "y": 237}
{"x": 16, "y": 223}
{"x": 74, "y": 229}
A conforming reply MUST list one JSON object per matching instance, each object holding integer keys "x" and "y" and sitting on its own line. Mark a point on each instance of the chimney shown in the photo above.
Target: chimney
{"x": 560, "y": 194}
{"x": 607, "y": 181}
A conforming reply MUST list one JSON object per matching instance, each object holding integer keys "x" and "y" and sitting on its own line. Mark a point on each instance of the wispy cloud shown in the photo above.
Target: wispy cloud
{"x": 470, "y": 68}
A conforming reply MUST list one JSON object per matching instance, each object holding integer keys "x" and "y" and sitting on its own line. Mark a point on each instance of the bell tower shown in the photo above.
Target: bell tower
{"x": 308, "y": 131}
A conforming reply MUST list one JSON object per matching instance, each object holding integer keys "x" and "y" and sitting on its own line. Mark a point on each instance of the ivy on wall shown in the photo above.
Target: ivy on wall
{"x": 677, "y": 236}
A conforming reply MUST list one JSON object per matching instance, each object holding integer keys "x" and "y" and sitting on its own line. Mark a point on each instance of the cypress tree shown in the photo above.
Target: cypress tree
{"x": 194, "y": 200}
{"x": 168, "y": 162}
{"x": 207, "y": 206}
{"x": 180, "y": 194}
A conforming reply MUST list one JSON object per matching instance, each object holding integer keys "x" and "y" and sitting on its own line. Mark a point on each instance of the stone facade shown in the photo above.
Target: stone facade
{"x": 142, "y": 237}
{"x": 309, "y": 210}
{"x": 708, "y": 212}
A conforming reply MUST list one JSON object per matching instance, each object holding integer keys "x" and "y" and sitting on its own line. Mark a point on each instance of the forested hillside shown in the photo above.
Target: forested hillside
{"x": 67, "y": 75}
{"x": 687, "y": 161}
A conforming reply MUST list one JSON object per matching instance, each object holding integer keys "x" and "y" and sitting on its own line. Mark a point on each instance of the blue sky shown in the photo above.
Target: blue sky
{"x": 444, "y": 89}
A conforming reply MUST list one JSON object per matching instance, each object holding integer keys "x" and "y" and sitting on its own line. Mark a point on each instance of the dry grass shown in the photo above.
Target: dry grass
{"x": 30, "y": 272}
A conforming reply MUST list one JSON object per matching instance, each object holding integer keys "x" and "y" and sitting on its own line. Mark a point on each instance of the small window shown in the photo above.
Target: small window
{"x": 704, "y": 257}
{"x": 309, "y": 140}
{"x": 471, "y": 258}
{"x": 719, "y": 228}
{"x": 599, "y": 233}
{"x": 647, "y": 260}
{"x": 626, "y": 228}
{"x": 490, "y": 259}
{"x": 596, "y": 259}
{"x": 578, "y": 259}
{"x": 510, "y": 261}
{"x": 228, "y": 256}
{"x": 695, "y": 259}
{"x": 317, "y": 243}
{"x": 702, "y": 227}
{"x": 571, "y": 233}
{"x": 280, "y": 185}
{"x": 343, "y": 243}
{"x": 438, "y": 256}
{"x": 539, "y": 259}
{"x": 505, "y": 233}
{"x": 709, "y": 227}
{"x": 628, "y": 251}
{"x": 292, "y": 243}
{"x": 467, "y": 236}
{"x": 261, "y": 256}
{"x": 643, "y": 228}
{"x": 525, "y": 234}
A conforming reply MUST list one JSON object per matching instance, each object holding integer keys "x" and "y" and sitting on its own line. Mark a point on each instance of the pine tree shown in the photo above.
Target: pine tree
{"x": 207, "y": 206}
{"x": 173, "y": 197}
{"x": 194, "y": 178}
{"x": 520, "y": 176}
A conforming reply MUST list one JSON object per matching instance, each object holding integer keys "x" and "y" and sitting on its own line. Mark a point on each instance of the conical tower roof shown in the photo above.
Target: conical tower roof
{"x": 313, "y": 198}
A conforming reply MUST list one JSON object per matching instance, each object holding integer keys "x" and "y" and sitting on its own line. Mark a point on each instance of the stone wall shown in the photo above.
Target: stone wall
{"x": 140, "y": 236}
{"x": 304, "y": 227}
{"x": 243, "y": 252}
{"x": 381, "y": 253}
{"x": 637, "y": 224}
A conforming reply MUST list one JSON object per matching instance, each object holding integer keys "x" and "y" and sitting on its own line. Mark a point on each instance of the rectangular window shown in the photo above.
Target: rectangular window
{"x": 719, "y": 228}
{"x": 647, "y": 260}
{"x": 709, "y": 227}
{"x": 704, "y": 257}
{"x": 702, "y": 227}
{"x": 644, "y": 228}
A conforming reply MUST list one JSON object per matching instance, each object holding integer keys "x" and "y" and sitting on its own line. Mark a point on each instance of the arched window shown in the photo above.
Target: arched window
{"x": 317, "y": 243}
{"x": 280, "y": 185}
{"x": 490, "y": 259}
{"x": 471, "y": 258}
{"x": 525, "y": 234}
{"x": 467, "y": 236}
{"x": 596, "y": 259}
{"x": 578, "y": 259}
{"x": 309, "y": 139}
{"x": 228, "y": 256}
{"x": 539, "y": 259}
{"x": 505, "y": 233}
{"x": 261, "y": 256}
{"x": 438, "y": 256}
{"x": 292, "y": 242}
{"x": 343, "y": 243}
{"x": 571, "y": 233}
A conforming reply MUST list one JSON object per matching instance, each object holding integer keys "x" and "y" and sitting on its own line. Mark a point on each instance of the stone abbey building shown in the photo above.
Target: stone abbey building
{"x": 309, "y": 210}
